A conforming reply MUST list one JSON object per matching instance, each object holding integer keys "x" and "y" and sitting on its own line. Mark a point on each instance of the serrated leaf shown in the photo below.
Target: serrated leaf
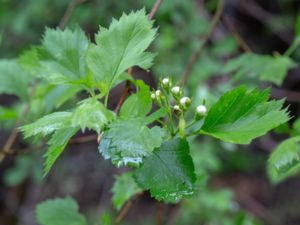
{"x": 67, "y": 51}
{"x": 286, "y": 155}
{"x": 120, "y": 47}
{"x": 124, "y": 188}
{"x": 57, "y": 144}
{"x": 139, "y": 104}
{"x": 59, "y": 212}
{"x": 265, "y": 67}
{"x": 13, "y": 79}
{"x": 91, "y": 114}
{"x": 169, "y": 172}
{"x": 241, "y": 115}
{"x": 126, "y": 142}
{"x": 48, "y": 124}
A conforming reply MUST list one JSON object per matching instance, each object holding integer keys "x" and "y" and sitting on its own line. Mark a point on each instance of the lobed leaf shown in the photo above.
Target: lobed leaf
{"x": 264, "y": 67}
{"x": 59, "y": 212}
{"x": 48, "y": 124}
{"x": 168, "y": 172}
{"x": 126, "y": 142}
{"x": 240, "y": 116}
{"x": 57, "y": 144}
{"x": 66, "y": 61}
{"x": 120, "y": 47}
{"x": 91, "y": 114}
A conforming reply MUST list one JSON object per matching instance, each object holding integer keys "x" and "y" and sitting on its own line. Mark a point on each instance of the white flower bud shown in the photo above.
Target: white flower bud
{"x": 185, "y": 101}
{"x": 175, "y": 90}
{"x": 153, "y": 96}
{"x": 158, "y": 93}
{"x": 176, "y": 107}
{"x": 166, "y": 81}
{"x": 201, "y": 110}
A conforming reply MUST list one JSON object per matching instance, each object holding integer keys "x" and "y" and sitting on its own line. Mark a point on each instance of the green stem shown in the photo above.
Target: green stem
{"x": 106, "y": 100}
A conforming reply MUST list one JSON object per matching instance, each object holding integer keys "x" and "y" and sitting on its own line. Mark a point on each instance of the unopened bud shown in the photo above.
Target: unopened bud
{"x": 185, "y": 102}
{"x": 158, "y": 93}
{"x": 201, "y": 110}
{"x": 175, "y": 90}
{"x": 166, "y": 81}
{"x": 153, "y": 96}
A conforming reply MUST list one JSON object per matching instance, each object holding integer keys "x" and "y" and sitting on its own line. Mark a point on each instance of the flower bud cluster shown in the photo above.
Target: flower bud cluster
{"x": 182, "y": 103}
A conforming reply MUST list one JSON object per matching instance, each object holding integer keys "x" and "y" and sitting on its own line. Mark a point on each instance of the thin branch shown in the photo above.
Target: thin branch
{"x": 83, "y": 139}
{"x": 243, "y": 44}
{"x": 7, "y": 148}
{"x": 67, "y": 15}
{"x": 195, "y": 55}
{"x": 123, "y": 212}
{"x": 154, "y": 9}
{"x": 125, "y": 93}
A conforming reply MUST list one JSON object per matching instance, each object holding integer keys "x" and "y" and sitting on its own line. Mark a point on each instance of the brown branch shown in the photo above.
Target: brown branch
{"x": 123, "y": 212}
{"x": 67, "y": 15}
{"x": 154, "y": 9}
{"x": 83, "y": 139}
{"x": 7, "y": 148}
{"x": 243, "y": 44}
{"x": 195, "y": 55}
{"x": 159, "y": 213}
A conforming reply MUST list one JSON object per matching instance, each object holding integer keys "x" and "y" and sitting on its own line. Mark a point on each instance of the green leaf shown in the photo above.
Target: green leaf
{"x": 297, "y": 28}
{"x": 48, "y": 124}
{"x": 120, "y": 47}
{"x": 266, "y": 68}
{"x": 7, "y": 113}
{"x": 124, "y": 188}
{"x": 91, "y": 114}
{"x": 139, "y": 104}
{"x": 59, "y": 212}
{"x": 13, "y": 79}
{"x": 286, "y": 156}
{"x": 240, "y": 116}
{"x": 126, "y": 142}
{"x": 66, "y": 61}
{"x": 59, "y": 95}
{"x": 57, "y": 144}
{"x": 276, "y": 177}
{"x": 169, "y": 172}
{"x": 296, "y": 125}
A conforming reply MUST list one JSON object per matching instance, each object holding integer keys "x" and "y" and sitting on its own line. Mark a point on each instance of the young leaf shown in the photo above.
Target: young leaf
{"x": 13, "y": 79}
{"x": 286, "y": 155}
{"x": 48, "y": 124}
{"x": 124, "y": 188}
{"x": 169, "y": 172}
{"x": 240, "y": 116}
{"x": 67, "y": 52}
{"x": 59, "y": 212}
{"x": 126, "y": 142}
{"x": 139, "y": 104}
{"x": 120, "y": 47}
{"x": 57, "y": 144}
{"x": 91, "y": 114}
